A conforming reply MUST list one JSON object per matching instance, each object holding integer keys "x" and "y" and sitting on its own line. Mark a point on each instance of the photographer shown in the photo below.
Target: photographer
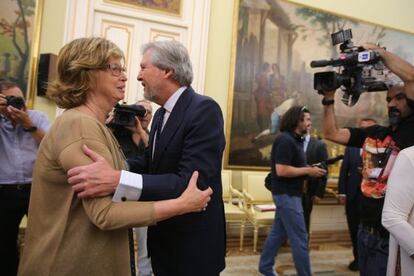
{"x": 380, "y": 146}
{"x": 21, "y": 131}
{"x": 133, "y": 142}
{"x": 289, "y": 170}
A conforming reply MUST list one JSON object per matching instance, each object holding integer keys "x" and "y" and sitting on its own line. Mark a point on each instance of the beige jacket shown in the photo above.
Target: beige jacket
{"x": 66, "y": 235}
{"x": 398, "y": 213}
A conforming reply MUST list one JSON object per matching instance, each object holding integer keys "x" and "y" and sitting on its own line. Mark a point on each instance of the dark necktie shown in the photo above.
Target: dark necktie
{"x": 131, "y": 251}
{"x": 159, "y": 123}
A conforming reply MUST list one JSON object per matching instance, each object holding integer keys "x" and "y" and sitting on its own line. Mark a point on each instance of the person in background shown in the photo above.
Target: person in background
{"x": 349, "y": 191}
{"x": 380, "y": 146}
{"x": 133, "y": 140}
{"x": 315, "y": 152}
{"x": 288, "y": 172}
{"x": 398, "y": 215}
{"x": 68, "y": 235}
{"x": 21, "y": 131}
{"x": 133, "y": 143}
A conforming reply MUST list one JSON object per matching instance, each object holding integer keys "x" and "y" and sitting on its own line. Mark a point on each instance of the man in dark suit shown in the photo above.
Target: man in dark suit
{"x": 314, "y": 188}
{"x": 349, "y": 191}
{"x": 186, "y": 135}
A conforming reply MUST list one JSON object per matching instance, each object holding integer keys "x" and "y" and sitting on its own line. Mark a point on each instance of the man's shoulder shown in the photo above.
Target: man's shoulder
{"x": 375, "y": 131}
{"x": 318, "y": 142}
{"x": 36, "y": 113}
{"x": 408, "y": 153}
{"x": 203, "y": 103}
{"x": 200, "y": 98}
{"x": 284, "y": 137}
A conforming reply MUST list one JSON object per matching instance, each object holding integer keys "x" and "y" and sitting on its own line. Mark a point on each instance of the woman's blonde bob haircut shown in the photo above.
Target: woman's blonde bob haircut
{"x": 76, "y": 69}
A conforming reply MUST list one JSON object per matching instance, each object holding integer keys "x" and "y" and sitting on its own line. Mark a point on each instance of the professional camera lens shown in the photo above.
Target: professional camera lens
{"x": 16, "y": 102}
{"x": 124, "y": 115}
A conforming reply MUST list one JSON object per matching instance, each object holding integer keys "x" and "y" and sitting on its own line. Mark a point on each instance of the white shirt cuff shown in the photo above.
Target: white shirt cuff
{"x": 129, "y": 188}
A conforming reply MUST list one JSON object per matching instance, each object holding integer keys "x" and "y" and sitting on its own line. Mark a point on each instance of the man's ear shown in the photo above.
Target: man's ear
{"x": 410, "y": 104}
{"x": 169, "y": 73}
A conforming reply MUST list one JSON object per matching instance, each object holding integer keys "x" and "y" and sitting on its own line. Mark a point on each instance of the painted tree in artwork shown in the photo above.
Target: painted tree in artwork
{"x": 323, "y": 23}
{"x": 326, "y": 24}
{"x": 15, "y": 28}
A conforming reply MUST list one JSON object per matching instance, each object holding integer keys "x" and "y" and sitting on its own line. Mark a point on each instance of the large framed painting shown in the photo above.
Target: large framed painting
{"x": 19, "y": 43}
{"x": 167, "y": 6}
{"x": 274, "y": 43}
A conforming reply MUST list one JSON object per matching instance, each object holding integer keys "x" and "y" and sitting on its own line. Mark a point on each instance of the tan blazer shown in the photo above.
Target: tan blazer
{"x": 66, "y": 235}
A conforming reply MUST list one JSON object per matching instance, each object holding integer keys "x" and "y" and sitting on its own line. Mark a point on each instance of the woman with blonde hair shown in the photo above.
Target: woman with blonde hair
{"x": 67, "y": 235}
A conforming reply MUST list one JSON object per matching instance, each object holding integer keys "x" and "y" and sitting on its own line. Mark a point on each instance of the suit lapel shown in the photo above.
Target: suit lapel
{"x": 171, "y": 126}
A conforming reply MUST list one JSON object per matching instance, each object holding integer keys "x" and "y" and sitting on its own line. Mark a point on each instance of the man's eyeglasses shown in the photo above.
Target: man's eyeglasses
{"x": 115, "y": 69}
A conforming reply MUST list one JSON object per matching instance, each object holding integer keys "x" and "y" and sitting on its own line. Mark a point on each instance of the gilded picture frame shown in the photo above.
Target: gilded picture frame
{"x": 172, "y": 7}
{"x": 274, "y": 42}
{"x": 20, "y": 23}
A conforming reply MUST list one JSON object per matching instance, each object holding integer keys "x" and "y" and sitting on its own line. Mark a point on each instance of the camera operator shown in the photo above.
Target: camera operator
{"x": 21, "y": 131}
{"x": 380, "y": 146}
{"x": 133, "y": 142}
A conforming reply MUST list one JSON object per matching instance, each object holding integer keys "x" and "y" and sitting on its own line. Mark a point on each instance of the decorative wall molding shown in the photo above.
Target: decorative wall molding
{"x": 130, "y": 27}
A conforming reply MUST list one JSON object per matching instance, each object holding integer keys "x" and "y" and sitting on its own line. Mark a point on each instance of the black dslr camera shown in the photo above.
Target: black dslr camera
{"x": 124, "y": 115}
{"x": 357, "y": 70}
{"x": 325, "y": 163}
{"x": 16, "y": 102}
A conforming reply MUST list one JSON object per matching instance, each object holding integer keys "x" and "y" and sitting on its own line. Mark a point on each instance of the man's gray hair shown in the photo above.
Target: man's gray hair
{"x": 173, "y": 55}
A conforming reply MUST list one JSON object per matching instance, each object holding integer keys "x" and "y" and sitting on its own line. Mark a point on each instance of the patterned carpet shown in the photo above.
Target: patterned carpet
{"x": 330, "y": 255}
{"x": 326, "y": 262}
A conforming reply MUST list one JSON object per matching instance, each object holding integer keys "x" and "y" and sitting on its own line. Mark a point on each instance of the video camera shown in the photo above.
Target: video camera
{"x": 16, "y": 102}
{"x": 356, "y": 74}
{"x": 124, "y": 115}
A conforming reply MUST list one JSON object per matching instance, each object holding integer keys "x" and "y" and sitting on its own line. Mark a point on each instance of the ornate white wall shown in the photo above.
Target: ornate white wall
{"x": 130, "y": 27}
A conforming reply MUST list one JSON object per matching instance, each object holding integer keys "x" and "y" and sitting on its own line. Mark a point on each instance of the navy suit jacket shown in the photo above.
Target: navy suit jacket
{"x": 350, "y": 175}
{"x": 316, "y": 152}
{"x": 192, "y": 139}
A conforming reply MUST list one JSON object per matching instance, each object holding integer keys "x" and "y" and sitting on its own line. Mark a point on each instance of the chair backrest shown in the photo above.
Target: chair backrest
{"x": 226, "y": 184}
{"x": 253, "y": 184}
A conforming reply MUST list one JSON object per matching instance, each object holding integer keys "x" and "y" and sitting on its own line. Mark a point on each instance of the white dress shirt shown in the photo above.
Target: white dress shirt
{"x": 130, "y": 184}
{"x": 306, "y": 142}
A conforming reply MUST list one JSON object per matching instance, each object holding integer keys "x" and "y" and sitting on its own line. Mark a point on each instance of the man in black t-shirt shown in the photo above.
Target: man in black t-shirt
{"x": 380, "y": 147}
{"x": 289, "y": 170}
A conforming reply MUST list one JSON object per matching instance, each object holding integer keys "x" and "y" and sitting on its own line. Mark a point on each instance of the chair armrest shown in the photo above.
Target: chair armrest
{"x": 236, "y": 192}
{"x": 248, "y": 203}
{"x": 330, "y": 191}
{"x": 248, "y": 196}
